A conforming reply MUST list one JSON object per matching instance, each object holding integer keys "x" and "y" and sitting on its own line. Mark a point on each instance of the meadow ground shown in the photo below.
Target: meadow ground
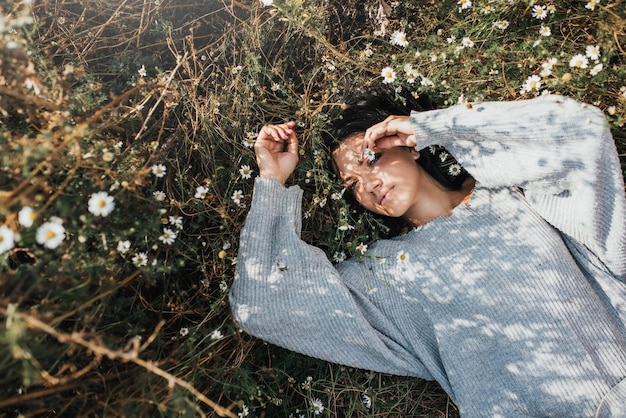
{"x": 126, "y": 172}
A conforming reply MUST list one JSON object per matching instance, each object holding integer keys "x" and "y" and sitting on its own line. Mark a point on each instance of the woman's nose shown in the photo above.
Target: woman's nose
{"x": 372, "y": 182}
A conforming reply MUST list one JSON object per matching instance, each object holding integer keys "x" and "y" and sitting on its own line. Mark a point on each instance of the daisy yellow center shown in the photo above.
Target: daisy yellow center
{"x": 1, "y": 238}
{"x": 402, "y": 257}
{"x": 579, "y": 63}
{"x": 50, "y": 234}
{"x": 102, "y": 204}
{"x": 533, "y": 84}
{"x": 166, "y": 235}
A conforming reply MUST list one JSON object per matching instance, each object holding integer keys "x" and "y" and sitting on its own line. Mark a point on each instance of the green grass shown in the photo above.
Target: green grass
{"x": 94, "y": 96}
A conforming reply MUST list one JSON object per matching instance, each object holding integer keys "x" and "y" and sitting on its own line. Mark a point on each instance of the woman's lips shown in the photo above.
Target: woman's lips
{"x": 384, "y": 196}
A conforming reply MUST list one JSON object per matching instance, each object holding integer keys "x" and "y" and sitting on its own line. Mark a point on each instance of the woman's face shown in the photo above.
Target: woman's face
{"x": 387, "y": 185}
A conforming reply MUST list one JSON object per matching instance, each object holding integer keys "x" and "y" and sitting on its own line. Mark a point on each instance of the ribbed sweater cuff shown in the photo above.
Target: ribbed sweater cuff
{"x": 272, "y": 199}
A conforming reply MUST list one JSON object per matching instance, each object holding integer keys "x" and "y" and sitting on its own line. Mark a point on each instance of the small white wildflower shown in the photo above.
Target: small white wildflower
{"x": 7, "y": 239}
{"x": 388, "y": 75}
{"x": 532, "y": 83}
{"x": 454, "y": 169}
{"x": 223, "y": 286}
{"x": 465, "y": 4}
{"x": 467, "y": 42}
{"x": 107, "y": 156}
{"x": 51, "y": 234}
{"x": 176, "y": 221}
{"x": 123, "y": 246}
{"x": 237, "y": 196}
{"x": 168, "y": 236}
{"x": 501, "y": 24}
{"x": 245, "y": 171}
{"x": 248, "y": 141}
{"x": 399, "y": 38}
{"x": 362, "y": 248}
{"x": 216, "y": 335}
{"x": 142, "y": 71}
{"x": 339, "y": 256}
{"x": 244, "y": 409}
{"x": 367, "y": 401}
{"x": 596, "y": 69}
{"x": 201, "y": 192}
{"x": 369, "y": 155}
{"x": 317, "y": 406}
{"x": 402, "y": 256}
{"x": 579, "y": 61}
{"x": 159, "y": 196}
{"x": 26, "y": 216}
{"x": 593, "y": 52}
{"x": 344, "y": 225}
{"x": 539, "y": 12}
{"x": 545, "y": 31}
{"x": 591, "y": 5}
{"x": 140, "y": 259}
{"x": 159, "y": 170}
{"x": 184, "y": 331}
{"x": 101, "y": 204}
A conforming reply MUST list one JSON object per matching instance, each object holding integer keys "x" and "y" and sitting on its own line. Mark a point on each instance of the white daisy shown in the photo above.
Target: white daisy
{"x": 362, "y": 248}
{"x": 216, "y": 335}
{"x": 159, "y": 196}
{"x": 532, "y": 83}
{"x": 579, "y": 61}
{"x": 369, "y": 155}
{"x": 123, "y": 246}
{"x": 168, "y": 236}
{"x": 51, "y": 234}
{"x": 596, "y": 69}
{"x": 26, "y": 216}
{"x": 184, "y": 331}
{"x": 402, "y": 256}
{"x": 7, "y": 239}
{"x": 237, "y": 196}
{"x": 545, "y": 31}
{"x": 107, "y": 156}
{"x": 140, "y": 259}
{"x": 367, "y": 401}
{"x": 317, "y": 406}
{"x": 248, "y": 141}
{"x": 388, "y": 75}
{"x": 101, "y": 204}
{"x": 344, "y": 225}
{"x": 339, "y": 256}
{"x": 244, "y": 409}
{"x": 454, "y": 169}
{"x": 467, "y": 42}
{"x": 201, "y": 192}
{"x": 245, "y": 171}
{"x": 399, "y": 38}
{"x": 142, "y": 71}
{"x": 593, "y": 52}
{"x": 465, "y": 4}
{"x": 176, "y": 221}
{"x": 159, "y": 170}
{"x": 592, "y": 4}
{"x": 501, "y": 24}
{"x": 539, "y": 12}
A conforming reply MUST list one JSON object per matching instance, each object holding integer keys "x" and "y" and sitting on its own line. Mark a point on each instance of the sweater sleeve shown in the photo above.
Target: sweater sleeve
{"x": 288, "y": 293}
{"x": 559, "y": 151}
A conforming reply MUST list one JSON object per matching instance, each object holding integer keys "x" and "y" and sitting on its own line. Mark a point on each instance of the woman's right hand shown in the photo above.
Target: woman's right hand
{"x": 395, "y": 131}
{"x": 276, "y": 150}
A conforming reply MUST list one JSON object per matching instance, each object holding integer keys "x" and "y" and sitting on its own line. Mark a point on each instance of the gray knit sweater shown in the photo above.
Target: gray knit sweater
{"x": 515, "y": 304}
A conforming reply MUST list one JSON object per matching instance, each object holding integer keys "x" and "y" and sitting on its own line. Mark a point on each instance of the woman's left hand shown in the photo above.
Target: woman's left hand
{"x": 395, "y": 131}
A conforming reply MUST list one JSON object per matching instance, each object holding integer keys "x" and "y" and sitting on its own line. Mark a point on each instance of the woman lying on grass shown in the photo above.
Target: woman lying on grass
{"x": 509, "y": 290}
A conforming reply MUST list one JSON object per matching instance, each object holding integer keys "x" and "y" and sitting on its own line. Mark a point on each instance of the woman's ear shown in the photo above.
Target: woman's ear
{"x": 414, "y": 153}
